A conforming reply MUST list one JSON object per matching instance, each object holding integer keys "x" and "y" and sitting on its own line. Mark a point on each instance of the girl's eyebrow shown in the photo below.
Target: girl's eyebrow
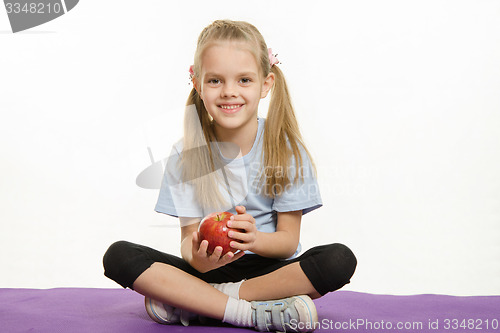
{"x": 247, "y": 74}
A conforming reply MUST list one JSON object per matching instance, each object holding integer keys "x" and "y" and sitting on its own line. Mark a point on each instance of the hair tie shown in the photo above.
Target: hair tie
{"x": 191, "y": 72}
{"x": 272, "y": 57}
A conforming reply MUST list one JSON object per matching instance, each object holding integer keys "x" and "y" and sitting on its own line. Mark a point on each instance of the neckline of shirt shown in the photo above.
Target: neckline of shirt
{"x": 246, "y": 157}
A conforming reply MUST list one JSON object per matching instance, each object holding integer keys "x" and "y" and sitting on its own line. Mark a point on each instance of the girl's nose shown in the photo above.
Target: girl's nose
{"x": 229, "y": 90}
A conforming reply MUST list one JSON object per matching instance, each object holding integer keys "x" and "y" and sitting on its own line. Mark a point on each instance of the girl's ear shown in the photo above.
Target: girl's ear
{"x": 267, "y": 85}
{"x": 196, "y": 85}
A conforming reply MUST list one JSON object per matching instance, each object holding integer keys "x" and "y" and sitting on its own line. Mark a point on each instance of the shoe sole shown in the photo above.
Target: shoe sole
{"x": 307, "y": 312}
{"x": 153, "y": 308}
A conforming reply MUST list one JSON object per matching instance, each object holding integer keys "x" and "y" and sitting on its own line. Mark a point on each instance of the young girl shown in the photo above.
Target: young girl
{"x": 268, "y": 182}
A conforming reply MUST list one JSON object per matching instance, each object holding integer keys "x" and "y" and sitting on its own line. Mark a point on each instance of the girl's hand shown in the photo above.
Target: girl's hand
{"x": 246, "y": 238}
{"x": 204, "y": 262}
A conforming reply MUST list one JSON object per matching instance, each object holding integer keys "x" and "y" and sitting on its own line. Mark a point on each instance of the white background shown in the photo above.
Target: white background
{"x": 399, "y": 102}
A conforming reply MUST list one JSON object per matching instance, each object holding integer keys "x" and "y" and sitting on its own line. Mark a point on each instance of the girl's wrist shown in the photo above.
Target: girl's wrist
{"x": 256, "y": 247}
{"x": 273, "y": 245}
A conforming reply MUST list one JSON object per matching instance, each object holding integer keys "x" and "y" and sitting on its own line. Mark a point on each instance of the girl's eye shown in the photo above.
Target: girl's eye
{"x": 214, "y": 81}
{"x": 245, "y": 80}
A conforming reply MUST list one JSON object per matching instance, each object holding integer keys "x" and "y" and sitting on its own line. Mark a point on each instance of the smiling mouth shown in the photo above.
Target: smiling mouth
{"x": 230, "y": 107}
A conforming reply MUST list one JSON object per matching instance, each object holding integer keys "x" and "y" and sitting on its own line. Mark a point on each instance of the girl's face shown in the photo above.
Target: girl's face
{"x": 231, "y": 84}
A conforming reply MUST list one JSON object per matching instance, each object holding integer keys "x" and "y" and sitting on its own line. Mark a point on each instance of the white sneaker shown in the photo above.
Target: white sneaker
{"x": 166, "y": 314}
{"x": 293, "y": 314}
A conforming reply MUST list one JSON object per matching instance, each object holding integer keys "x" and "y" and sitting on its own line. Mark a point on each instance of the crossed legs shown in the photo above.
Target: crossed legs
{"x": 170, "y": 285}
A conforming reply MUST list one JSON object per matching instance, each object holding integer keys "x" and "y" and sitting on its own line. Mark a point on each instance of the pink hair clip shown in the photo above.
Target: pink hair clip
{"x": 191, "y": 72}
{"x": 272, "y": 57}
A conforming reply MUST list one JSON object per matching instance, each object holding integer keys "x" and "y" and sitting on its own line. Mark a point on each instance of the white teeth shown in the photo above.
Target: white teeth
{"x": 229, "y": 107}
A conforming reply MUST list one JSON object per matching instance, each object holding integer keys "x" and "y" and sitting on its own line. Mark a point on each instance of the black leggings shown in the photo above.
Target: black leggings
{"x": 328, "y": 267}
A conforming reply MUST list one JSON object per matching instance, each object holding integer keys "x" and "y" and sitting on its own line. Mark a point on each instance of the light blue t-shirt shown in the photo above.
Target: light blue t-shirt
{"x": 178, "y": 199}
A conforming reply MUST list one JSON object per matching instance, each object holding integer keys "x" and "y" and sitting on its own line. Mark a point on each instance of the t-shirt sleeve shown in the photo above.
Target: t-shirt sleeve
{"x": 176, "y": 198}
{"x": 303, "y": 195}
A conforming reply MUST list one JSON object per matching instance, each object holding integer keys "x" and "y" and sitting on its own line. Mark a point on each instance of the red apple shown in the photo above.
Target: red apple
{"x": 214, "y": 229}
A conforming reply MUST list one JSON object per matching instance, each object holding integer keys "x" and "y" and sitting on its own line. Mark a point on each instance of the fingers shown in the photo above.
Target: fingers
{"x": 216, "y": 255}
{"x": 245, "y": 237}
{"x": 231, "y": 256}
{"x": 202, "y": 250}
{"x": 235, "y": 256}
{"x": 242, "y": 246}
{"x": 240, "y": 221}
{"x": 195, "y": 241}
{"x": 244, "y": 231}
{"x": 244, "y": 226}
{"x": 240, "y": 209}
{"x": 242, "y": 240}
{"x": 217, "y": 259}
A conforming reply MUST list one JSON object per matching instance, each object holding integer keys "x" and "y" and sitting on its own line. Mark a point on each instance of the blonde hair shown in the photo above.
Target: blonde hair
{"x": 282, "y": 138}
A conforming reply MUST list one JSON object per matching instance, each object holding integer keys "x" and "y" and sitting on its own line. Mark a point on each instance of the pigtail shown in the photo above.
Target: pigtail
{"x": 198, "y": 163}
{"x": 282, "y": 139}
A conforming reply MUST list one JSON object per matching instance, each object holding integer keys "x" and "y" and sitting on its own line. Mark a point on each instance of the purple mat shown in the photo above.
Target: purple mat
{"x": 75, "y": 310}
